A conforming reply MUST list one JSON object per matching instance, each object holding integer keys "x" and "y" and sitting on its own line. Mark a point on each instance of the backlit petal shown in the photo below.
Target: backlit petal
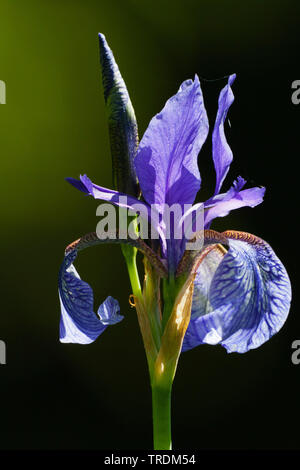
{"x": 222, "y": 154}
{"x": 79, "y": 323}
{"x": 166, "y": 162}
{"x": 248, "y": 301}
{"x": 201, "y": 304}
{"x": 100, "y": 192}
{"x": 222, "y": 204}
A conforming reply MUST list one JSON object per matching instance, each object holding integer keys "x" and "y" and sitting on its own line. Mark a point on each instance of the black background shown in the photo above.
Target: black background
{"x": 55, "y": 396}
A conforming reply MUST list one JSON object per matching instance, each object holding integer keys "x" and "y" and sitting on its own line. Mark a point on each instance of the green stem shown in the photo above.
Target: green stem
{"x": 161, "y": 372}
{"x": 129, "y": 253}
{"x": 161, "y": 411}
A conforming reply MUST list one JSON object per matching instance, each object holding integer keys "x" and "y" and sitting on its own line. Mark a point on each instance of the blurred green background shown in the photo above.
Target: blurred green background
{"x": 57, "y": 396}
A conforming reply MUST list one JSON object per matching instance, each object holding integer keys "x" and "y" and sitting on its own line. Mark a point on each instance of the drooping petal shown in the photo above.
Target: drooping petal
{"x": 166, "y": 162}
{"x": 123, "y": 131}
{"x": 222, "y": 154}
{"x": 201, "y": 303}
{"x": 248, "y": 301}
{"x": 78, "y": 323}
{"x": 222, "y": 204}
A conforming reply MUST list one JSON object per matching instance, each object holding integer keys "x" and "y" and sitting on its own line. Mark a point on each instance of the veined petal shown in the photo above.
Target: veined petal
{"x": 201, "y": 304}
{"x": 78, "y": 323}
{"x": 248, "y": 301}
{"x": 123, "y": 132}
{"x": 166, "y": 162}
{"x": 222, "y": 204}
{"x": 222, "y": 154}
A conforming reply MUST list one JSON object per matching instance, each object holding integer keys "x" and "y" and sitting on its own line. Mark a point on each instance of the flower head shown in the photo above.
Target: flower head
{"x": 239, "y": 291}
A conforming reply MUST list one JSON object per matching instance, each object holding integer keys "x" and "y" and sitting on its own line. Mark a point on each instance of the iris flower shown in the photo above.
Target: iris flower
{"x": 233, "y": 291}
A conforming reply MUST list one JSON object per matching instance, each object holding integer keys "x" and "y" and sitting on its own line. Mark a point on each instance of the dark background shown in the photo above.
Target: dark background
{"x": 58, "y": 396}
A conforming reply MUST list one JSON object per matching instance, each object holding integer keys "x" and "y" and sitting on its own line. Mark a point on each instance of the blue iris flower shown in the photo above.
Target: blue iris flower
{"x": 241, "y": 290}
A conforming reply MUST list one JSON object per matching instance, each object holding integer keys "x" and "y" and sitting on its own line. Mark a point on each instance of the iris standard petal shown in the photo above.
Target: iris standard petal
{"x": 222, "y": 154}
{"x": 78, "y": 323}
{"x": 249, "y": 297}
{"x": 166, "y": 162}
{"x": 222, "y": 204}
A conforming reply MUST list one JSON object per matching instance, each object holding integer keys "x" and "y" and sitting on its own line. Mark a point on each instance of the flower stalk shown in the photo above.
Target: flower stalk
{"x": 161, "y": 415}
{"x": 163, "y": 342}
{"x": 129, "y": 253}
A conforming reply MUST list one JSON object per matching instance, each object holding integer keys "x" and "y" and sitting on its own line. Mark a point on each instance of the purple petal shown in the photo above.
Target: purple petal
{"x": 166, "y": 162}
{"x": 222, "y": 154}
{"x": 78, "y": 323}
{"x": 115, "y": 197}
{"x": 222, "y": 204}
{"x": 248, "y": 301}
{"x": 122, "y": 200}
{"x": 78, "y": 185}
